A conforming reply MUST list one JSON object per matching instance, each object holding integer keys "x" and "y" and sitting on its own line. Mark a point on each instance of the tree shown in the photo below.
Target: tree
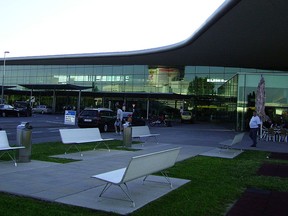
{"x": 200, "y": 86}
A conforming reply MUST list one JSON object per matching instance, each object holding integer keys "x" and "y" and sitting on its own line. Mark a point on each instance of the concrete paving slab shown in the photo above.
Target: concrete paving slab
{"x": 114, "y": 200}
{"x": 8, "y": 166}
{"x": 222, "y": 153}
{"x": 72, "y": 184}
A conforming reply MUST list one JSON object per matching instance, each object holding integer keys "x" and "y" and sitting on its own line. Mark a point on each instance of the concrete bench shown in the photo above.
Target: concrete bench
{"x": 6, "y": 148}
{"x": 143, "y": 132}
{"x": 140, "y": 166}
{"x": 229, "y": 143}
{"x": 76, "y": 136}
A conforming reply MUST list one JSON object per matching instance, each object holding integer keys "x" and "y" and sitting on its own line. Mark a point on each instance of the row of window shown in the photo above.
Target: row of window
{"x": 133, "y": 78}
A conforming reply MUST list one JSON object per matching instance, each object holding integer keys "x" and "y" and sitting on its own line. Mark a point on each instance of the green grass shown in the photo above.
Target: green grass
{"x": 215, "y": 184}
{"x": 43, "y": 151}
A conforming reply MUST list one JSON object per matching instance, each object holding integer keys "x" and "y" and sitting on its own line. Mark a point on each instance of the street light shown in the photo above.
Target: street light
{"x": 3, "y": 77}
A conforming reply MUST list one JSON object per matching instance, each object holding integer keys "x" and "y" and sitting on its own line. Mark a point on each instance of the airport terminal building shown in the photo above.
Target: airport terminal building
{"x": 214, "y": 73}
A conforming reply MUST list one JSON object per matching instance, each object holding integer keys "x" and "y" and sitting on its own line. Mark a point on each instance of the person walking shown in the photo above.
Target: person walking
{"x": 119, "y": 118}
{"x": 254, "y": 125}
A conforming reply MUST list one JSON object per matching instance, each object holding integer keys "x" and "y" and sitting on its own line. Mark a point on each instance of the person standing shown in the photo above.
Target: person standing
{"x": 254, "y": 125}
{"x": 119, "y": 118}
{"x": 181, "y": 110}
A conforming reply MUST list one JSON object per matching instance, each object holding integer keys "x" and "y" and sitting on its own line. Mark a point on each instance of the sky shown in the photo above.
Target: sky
{"x": 56, "y": 27}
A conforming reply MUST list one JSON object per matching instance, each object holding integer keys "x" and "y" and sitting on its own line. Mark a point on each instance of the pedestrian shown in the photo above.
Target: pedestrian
{"x": 119, "y": 118}
{"x": 254, "y": 125}
{"x": 181, "y": 110}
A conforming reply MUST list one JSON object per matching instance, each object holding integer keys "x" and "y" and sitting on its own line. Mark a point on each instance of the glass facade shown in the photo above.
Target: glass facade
{"x": 118, "y": 78}
{"x": 216, "y": 92}
{"x": 243, "y": 86}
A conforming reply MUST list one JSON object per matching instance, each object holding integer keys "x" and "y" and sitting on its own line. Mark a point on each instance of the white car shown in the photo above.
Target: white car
{"x": 43, "y": 109}
{"x": 186, "y": 116}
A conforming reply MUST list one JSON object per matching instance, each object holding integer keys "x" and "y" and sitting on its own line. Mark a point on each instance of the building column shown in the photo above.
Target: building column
{"x": 79, "y": 102}
{"x": 147, "y": 108}
{"x": 54, "y": 101}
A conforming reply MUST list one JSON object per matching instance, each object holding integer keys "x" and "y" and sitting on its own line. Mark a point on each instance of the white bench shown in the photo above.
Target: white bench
{"x": 76, "y": 136}
{"x": 143, "y": 132}
{"x": 227, "y": 144}
{"x": 6, "y": 148}
{"x": 140, "y": 166}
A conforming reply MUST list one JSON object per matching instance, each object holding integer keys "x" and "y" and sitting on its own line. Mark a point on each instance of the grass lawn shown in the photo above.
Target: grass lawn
{"x": 215, "y": 184}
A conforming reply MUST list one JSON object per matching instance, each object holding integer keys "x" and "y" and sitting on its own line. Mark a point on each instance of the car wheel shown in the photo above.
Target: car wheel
{"x": 18, "y": 114}
{"x": 3, "y": 114}
{"x": 105, "y": 127}
{"x": 42, "y": 112}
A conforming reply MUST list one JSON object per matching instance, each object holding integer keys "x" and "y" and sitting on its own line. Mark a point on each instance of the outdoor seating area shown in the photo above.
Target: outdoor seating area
{"x": 275, "y": 134}
{"x": 120, "y": 167}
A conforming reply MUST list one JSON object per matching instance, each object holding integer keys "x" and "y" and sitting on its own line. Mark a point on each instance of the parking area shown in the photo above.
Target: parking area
{"x": 46, "y": 129}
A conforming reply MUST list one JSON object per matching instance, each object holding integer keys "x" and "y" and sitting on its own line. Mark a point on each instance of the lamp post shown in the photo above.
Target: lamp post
{"x": 3, "y": 77}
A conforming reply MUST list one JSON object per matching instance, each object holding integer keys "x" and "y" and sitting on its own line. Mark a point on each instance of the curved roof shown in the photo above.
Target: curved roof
{"x": 241, "y": 33}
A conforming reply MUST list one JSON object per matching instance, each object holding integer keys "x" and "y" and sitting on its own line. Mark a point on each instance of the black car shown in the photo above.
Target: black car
{"x": 8, "y": 110}
{"x": 23, "y": 107}
{"x": 102, "y": 118}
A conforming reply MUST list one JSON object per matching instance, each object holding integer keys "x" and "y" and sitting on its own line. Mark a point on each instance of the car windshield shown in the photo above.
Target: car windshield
{"x": 21, "y": 105}
{"x": 89, "y": 113}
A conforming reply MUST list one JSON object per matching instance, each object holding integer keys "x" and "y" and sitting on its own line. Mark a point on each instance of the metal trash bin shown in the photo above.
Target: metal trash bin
{"x": 24, "y": 138}
{"x": 127, "y": 135}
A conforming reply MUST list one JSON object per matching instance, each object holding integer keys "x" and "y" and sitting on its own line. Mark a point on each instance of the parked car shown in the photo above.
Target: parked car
{"x": 102, "y": 118}
{"x": 137, "y": 120}
{"x": 8, "y": 110}
{"x": 23, "y": 107}
{"x": 187, "y": 116}
{"x": 43, "y": 109}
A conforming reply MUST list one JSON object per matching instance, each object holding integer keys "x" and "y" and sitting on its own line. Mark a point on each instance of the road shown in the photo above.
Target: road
{"x": 45, "y": 127}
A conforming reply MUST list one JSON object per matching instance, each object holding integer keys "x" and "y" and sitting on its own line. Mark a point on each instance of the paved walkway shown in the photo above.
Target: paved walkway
{"x": 71, "y": 183}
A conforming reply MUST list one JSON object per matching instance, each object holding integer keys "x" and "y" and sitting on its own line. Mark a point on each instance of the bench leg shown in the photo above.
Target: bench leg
{"x": 78, "y": 149}
{"x": 12, "y": 158}
{"x": 107, "y": 186}
{"x": 157, "y": 142}
{"x": 155, "y": 138}
{"x": 103, "y": 144}
{"x": 165, "y": 175}
{"x": 167, "y": 179}
{"x": 126, "y": 192}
